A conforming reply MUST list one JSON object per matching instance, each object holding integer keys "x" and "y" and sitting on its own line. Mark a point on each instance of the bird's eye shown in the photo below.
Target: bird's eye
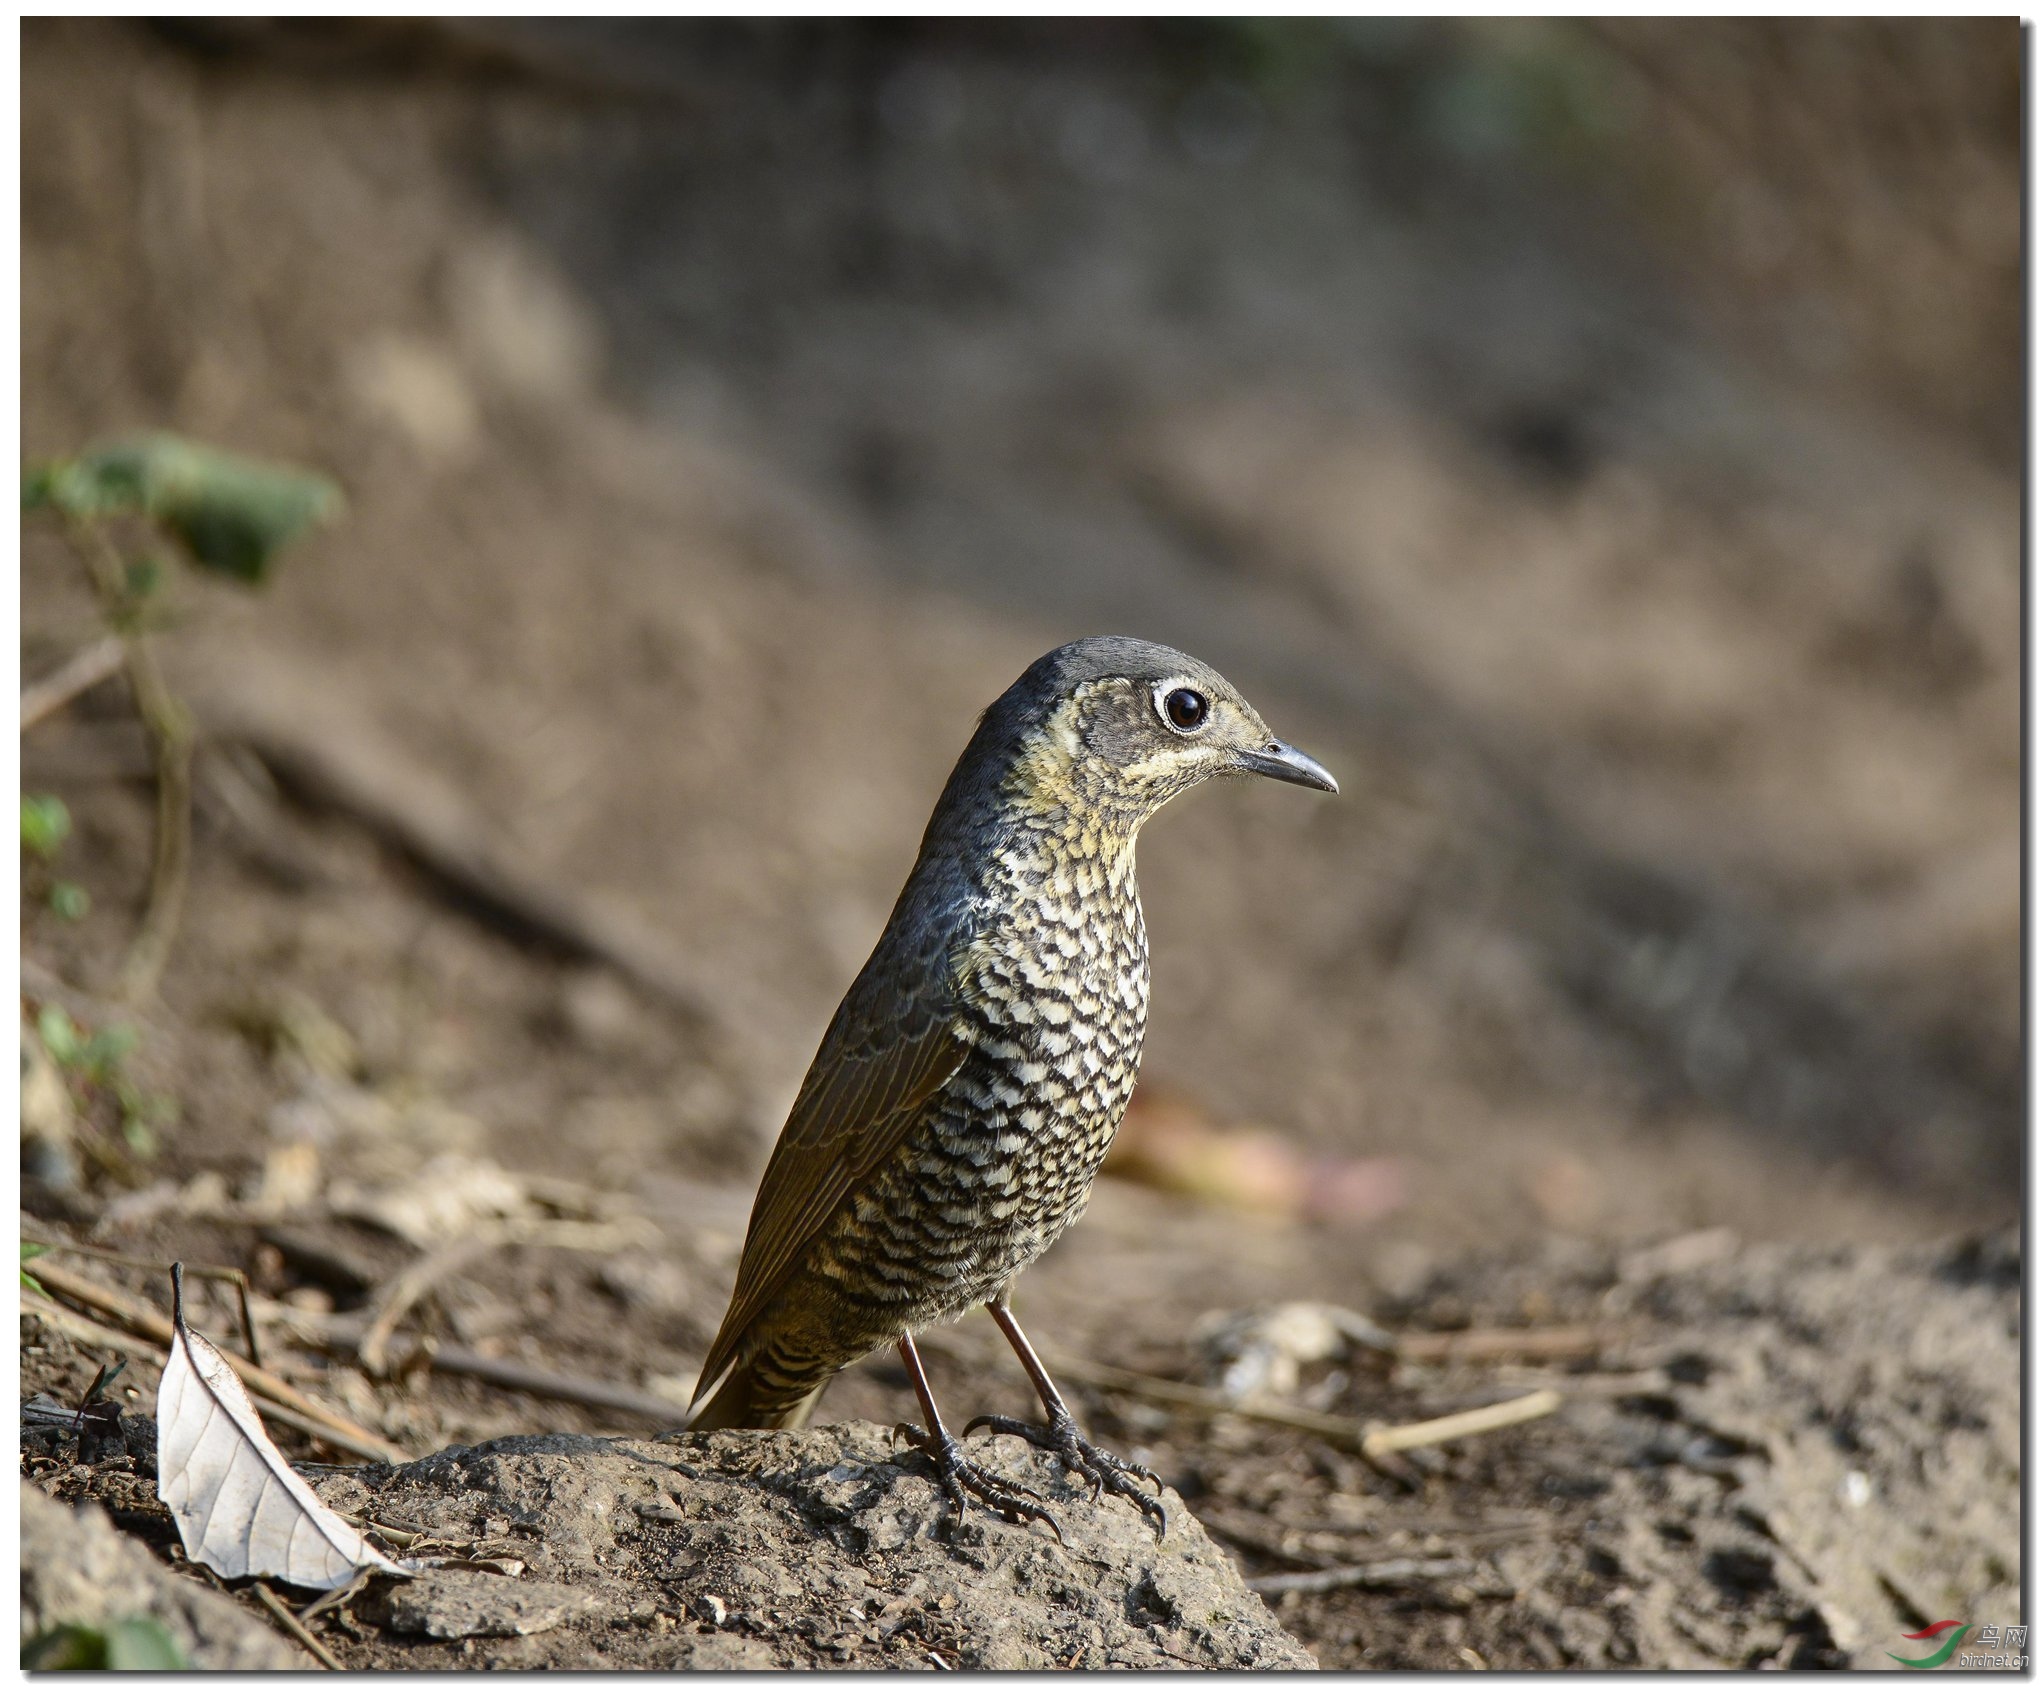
{"x": 1186, "y": 709}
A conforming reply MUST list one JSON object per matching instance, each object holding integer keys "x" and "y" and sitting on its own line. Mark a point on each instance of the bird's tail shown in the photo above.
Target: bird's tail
{"x": 739, "y": 1404}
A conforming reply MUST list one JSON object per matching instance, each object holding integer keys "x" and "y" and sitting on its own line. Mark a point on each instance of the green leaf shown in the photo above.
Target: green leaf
{"x": 231, "y": 513}
{"x": 109, "y": 1047}
{"x": 69, "y": 1646}
{"x": 144, "y": 576}
{"x": 38, "y": 486}
{"x": 96, "y": 1393}
{"x": 33, "y": 1250}
{"x": 142, "y": 1645}
{"x": 138, "y": 1644}
{"x": 45, "y": 823}
{"x": 68, "y": 900}
{"x": 59, "y": 1034}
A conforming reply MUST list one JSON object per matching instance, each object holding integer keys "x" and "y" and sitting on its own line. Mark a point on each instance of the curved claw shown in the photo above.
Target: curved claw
{"x": 958, "y": 1476}
{"x": 1104, "y": 1471}
{"x": 1066, "y": 1447}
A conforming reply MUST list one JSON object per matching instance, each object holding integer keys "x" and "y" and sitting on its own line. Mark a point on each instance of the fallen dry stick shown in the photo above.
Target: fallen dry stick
{"x": 145, "y": 1320}
{"x": 295, "y": 1628}
{"x": 341, "y": 1337}
{"x": 1380, "y": 1576}
{"x": 544, "y": 1384}
{"x": 238, "y": 1279}
{"x": 1372, "y": 1443}
{"x": 416, "y": 1279}
{"x": 79, "y": 1327}
{"x": 1203, "y": 1400}
{"x": 1381, "y": 1442}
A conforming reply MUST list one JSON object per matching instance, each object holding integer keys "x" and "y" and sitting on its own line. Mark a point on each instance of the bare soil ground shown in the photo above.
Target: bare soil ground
{"x": 693, "y": 516}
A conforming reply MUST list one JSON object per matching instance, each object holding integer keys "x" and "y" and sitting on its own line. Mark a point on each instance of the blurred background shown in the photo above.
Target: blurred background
{"x": 1597, "y": 442}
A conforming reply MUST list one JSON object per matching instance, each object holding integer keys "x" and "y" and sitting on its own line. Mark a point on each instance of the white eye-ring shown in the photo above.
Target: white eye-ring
{"x": 1183, "y": 708}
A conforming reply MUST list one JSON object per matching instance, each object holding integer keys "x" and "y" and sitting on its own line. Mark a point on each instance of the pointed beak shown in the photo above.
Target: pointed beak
{"x": 1292, "y": 766}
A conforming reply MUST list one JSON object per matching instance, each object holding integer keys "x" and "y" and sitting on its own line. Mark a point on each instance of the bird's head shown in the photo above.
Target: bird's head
{"x": 1108, "y": 729}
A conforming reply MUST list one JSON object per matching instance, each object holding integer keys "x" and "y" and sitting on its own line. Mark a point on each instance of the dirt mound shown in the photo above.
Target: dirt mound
{"x": 828, "y": 1548}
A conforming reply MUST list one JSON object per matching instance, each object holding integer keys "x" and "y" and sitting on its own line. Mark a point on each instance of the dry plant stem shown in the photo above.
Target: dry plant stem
{"x": 208, "y": 1273}
{"x": 146, "y": 1321}
{"x": 543, "y": 1384}
{"x": 1396, "y": 1572}
{"x": 91, "y": 666}
{"x": 1407, "y": 1437}
{"x": 81, "y": 1328}
{"x": 295, "y": 1628}
{"x": 1600, "y": 1384}
{"x": 341, "y": 1337}
{"x": 339, "y": 1595}
{"x": 1204, "y": 1401}
{"x": 1255, "y": 1539}
{"x": 169, "y": 728}
{"x": 1371, "y": 1443}
{"x": 406, "y": 1288}
{"x": 411, "y": 1284}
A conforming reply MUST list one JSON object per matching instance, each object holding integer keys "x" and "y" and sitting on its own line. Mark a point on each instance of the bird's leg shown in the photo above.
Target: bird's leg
{"x": 1105, "y": 1471}
{"x": 957, "y": 1473}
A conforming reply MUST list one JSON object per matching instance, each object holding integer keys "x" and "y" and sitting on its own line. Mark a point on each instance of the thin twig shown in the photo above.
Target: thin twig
{"x": 78, "y": 1327}
{"x": 545, "y": 1384}
{"x": 409, "y": 1285}
{"x": 1595, "y": 1384}
{"x": 1371, "y": 1443}
{"x": 295, "y": 1628}
{"x": 406, "y": 1288}
{"x": 209, "y": 1273}
{"x": 1380, "y": 1576}
{"x": 339, "y": 1595}
{"x": 1205, "y": 1401}
{"x": 90, "y": 666}
{"x": 1406, "y": 1437}
{"x": 145, "y": 1320}
{"x": 169, "y": 728}
{"x": 341, "y": 1336}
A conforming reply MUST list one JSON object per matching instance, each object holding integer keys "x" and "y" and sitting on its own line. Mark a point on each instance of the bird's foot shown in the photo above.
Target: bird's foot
{"x": 1106, "y": 1472}
{"x": 959, "y": 1476}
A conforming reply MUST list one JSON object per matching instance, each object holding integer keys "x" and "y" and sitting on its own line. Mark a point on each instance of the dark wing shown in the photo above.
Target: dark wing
{"x": 895, "y": 1040}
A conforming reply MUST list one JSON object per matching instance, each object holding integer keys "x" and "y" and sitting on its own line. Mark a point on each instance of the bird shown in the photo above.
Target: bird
{"x": 967, "y": 1088}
